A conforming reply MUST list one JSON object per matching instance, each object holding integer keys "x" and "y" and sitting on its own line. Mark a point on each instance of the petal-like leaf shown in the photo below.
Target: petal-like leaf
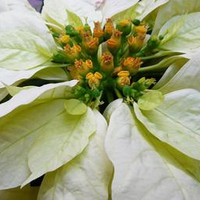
{"x": 181, "y": 34}
{"x": 86, "y": 177}
{"x": 186, "y": 77}
{"x": 26, "y": 43}
{"x": 20, "y": 118}
{"x": 140, "y": 172}
{"x": 176, "y": 121}
{"x": 174, "y": 8}
{"x": 63, "y": 138}
{"x": 57, "y": 14}
{"x": 150, "y": 100}
{"x": 75, "y": 107}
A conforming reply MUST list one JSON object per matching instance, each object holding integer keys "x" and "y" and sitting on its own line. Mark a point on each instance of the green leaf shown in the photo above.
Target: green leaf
{"x": 74, "y": 19}
{"x": 28, "y": 43}
{"x": 85, "y": 177}
{"x": 150, "y": 100}
{"x": 181, "y": 34}
{"x": 176, "y": 121}
{"x": 20, "y": 119}
{"x": 142, "y": 171}
{"x": 75, "y": 107}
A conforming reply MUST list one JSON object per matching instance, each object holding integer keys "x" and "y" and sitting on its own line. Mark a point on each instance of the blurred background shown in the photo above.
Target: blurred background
{"x": 37, "y": 4}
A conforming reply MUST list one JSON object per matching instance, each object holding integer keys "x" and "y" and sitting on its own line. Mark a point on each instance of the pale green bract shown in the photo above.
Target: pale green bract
{"x": 38, "y": 48}
{"x": 87, "y": 176}
{"x": 142, "y": 149}
{"x": 142, "y": 170}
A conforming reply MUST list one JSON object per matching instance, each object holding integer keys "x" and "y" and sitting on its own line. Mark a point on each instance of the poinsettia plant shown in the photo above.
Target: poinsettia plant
{"x": 101, "y": 99}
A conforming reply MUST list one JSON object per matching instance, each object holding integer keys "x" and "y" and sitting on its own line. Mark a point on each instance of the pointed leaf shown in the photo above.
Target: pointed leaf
{"x": 176, "y": 121}
{"x": 186, "y": 77}
{"x": 140, "y": 172}
{"x": 20, "y": 118}
{"x": 87, "y": 176}
{"x": 28, "y": 43}
{"x": 150, "y": 100}
{"x": 181, "y": 34}
{"x": 60, "y": 140}
{"x": 174, "y": 8}
{"x": 75, "y": 107}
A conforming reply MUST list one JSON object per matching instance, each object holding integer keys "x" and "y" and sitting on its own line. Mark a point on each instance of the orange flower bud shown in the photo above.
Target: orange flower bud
{"x": 72, "y": 53}
{"x": 108, "y": 29}
{"x": 98, "y": 31}
{"x": 107, "y": 63}
{"x": 131, "y": 64}
{"x": 115, "y": 41}
{"x": 90, "y": 44}
{"x": 135, "y": 43}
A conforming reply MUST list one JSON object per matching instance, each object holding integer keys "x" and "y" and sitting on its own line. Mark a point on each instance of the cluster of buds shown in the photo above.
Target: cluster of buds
{"x": 105, "y": 59}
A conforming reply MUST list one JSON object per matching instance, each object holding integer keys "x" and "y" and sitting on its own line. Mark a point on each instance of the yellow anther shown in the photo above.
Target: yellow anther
{"x": 141, "y": 30}
{"x": 93, "y": 79}
{"x": 131, "y": 64}
{"x": 90, "y": 44}
{"x": 64, "y": 39}
{"x": 72, "y": 53}
{"x": 88, "y": 64}
{"x": 80, "y": 68}
{"x": 135, "y": 43}
{"x": 123, "y": 74}
{"x": 115, "y": 41}
{"x": 98, "y": 75}
{"x": 123, "y": 78}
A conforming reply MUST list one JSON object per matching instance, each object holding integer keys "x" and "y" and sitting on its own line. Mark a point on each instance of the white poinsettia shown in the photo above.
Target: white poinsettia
{"x": 96, "y": 125}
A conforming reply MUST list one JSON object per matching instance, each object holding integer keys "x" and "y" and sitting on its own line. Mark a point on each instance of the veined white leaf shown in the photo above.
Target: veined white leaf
{"x": 86, "y": 177}
{"x": 57, "y": 12}
{"x": 45, "y": 92}
{"x": 176, "y": 121}
{"x": 17, "y": 134}
{"x": 19, "y": 124}
{"x": 62, "y": 139}
{"x": 174, "y": 8}
{"x": 170, "y": 72}
{"x": 24, "y": 43}
{"x": 186, "y": 77}
{"x": 145, "y": 7}
{"x": 140, "y": 172}
{"x": 181, "y": 34}
{"x": 75, "y": 107}
{"x": 150, "y": 100}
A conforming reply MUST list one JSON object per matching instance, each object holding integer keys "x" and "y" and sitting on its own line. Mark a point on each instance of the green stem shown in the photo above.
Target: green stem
{"x": 119, "y": 95}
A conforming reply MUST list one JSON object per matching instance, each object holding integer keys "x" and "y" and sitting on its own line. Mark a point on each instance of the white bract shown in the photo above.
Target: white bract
{"x": 141, "y": 143}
